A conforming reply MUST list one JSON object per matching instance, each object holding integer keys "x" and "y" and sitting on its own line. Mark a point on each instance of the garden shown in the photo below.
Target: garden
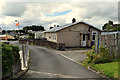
{"x": 104, "y": 63}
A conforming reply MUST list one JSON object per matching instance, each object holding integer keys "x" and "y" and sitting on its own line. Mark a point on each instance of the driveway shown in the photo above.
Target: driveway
{"x": 47, "y": 63}
{"x": 76, "y": 55}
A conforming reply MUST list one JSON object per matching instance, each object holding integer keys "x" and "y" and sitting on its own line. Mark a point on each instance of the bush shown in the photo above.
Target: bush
{"x": 102, "y": 57}
{"x": 91, "y": 55}
{"x": 10, "y": 56}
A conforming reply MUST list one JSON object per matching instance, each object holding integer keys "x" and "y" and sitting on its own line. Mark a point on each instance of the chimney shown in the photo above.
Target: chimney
{"x": 54, "y": 25}
{"x": 57, "y": 25}
{"x": 73, "y": 20}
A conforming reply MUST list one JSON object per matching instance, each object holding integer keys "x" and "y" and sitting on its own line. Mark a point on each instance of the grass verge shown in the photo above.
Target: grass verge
{"x": 108, "y": 69}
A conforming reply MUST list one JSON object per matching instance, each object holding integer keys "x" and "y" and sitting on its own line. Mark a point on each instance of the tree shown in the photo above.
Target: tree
{"x": 3, "y": 31}
{"x": 34, "y": 28}
{"x": 31, "y": 35}
{"x": 110, "y": 22}
{"x": 111, "y": 27}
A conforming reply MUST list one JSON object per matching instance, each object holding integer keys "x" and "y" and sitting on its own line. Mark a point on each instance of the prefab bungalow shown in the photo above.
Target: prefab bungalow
{"x": 77, "y": 34}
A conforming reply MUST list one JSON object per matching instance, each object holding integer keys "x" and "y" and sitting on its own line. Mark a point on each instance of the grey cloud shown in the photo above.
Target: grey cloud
{"x": 103, "y": 11}
{"x": 14, "y": 9}
{"x": 108, "y": 10}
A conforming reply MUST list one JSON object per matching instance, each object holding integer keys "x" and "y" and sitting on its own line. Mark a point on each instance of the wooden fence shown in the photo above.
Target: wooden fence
{"x": 111, "y": 41}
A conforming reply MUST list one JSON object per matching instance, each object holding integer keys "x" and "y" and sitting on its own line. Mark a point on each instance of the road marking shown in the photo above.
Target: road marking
{"x": 67, "y": 57}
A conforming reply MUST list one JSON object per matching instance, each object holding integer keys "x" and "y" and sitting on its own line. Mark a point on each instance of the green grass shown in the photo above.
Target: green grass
{"x": 109, "y": 69}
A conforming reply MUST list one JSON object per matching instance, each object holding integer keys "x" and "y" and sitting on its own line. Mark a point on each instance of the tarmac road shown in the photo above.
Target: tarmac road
{"x": 47, "y": 63}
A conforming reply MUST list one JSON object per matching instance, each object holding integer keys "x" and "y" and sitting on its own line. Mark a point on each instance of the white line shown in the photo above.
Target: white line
{"x": 68, "y": 58}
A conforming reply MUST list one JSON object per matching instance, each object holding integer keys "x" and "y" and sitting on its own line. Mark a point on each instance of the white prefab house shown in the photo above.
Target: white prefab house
{"x": 77, "y": 34}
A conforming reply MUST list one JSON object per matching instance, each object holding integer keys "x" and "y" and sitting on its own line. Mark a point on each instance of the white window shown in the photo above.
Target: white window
{"x": 94, "y": 33}
{"x": 55, "y": 37}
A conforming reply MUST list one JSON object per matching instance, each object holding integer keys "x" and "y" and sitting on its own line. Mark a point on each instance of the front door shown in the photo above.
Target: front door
{"x": 83, "y": 43}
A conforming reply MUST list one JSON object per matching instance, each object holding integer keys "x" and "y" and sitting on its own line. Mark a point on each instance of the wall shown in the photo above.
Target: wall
{"x": 71, "y": 39}
{"x": 43, "y": 42}
{"x": 51, "y": 37}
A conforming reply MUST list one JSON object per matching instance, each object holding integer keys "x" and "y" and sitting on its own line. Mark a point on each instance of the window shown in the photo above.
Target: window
{"x": 88, "y": 37}
{"x": 93, "y": 37}
{"x": 55, "y": 37}
{"x": 94, "y": 33}
{"x": 83, "y": 37}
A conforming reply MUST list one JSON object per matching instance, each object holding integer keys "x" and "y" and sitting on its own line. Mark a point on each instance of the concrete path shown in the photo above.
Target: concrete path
{"x": 76, "y": 55}
{"x": 47, "y": 63}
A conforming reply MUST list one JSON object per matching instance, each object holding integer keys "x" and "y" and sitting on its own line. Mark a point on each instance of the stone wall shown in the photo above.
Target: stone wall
{"x": 44, "y": 42}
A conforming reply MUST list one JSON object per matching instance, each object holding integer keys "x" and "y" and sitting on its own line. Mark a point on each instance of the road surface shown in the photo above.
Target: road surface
{"x": 47, "y": 63}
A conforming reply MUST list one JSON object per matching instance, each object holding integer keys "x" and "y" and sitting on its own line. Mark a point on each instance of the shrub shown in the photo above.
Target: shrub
{"x": 10, "y": 56}
{"x": 103, "y": 57}
{"x": 91, "y": 55}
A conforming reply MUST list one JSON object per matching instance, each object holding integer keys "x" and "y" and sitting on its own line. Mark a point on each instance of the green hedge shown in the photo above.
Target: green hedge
{"x": 10, "y": 56}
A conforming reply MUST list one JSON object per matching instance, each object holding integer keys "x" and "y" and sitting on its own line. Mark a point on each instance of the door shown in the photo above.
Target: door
{"x": 83, "y": 42}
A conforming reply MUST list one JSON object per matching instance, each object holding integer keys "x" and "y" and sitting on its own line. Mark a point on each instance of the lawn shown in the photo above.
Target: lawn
{"x": 109, "y": 69}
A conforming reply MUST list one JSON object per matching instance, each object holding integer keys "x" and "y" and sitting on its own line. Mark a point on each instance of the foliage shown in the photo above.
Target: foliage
{"x": 34, "y": 28}
{"x": 3, "y": 31}
{"x": 102, "y": 57}
{"x": 10, "y": 56}
{"x": 16, "y": 37}
{"x": 104, "y": 62}
{"x": 109, "y": 27}
{"x": 31, "y": 35}
{"x": 91, "y": 54}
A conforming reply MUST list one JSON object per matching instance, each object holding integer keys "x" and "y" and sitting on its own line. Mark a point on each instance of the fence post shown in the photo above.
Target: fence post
{"x": 26, "y": 53}
{"x": 23, "y": 51}
{"x": 117, "y": 44}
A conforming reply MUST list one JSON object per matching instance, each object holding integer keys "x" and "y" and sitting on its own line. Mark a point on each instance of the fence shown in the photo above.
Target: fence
{"x": 111, "y": 40}
{"x": 24, "y": 55}
{"x": 43, "y": 42}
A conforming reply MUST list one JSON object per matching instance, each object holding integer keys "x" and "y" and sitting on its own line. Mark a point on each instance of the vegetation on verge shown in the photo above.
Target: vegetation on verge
{"x": 104, "y": 62}
{"x": 10, "y": 56}
{"x": 110, "y": 69}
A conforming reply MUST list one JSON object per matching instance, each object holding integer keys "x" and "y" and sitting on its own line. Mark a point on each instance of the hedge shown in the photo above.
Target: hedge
{"x": 10, "y": 56}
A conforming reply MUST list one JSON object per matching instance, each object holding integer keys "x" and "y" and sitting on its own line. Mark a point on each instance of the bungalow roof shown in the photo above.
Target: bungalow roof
{"x": 55, "y": 29}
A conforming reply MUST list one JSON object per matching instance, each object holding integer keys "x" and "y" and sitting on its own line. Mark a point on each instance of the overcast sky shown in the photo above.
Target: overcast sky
{"x": 50, "y": 13}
